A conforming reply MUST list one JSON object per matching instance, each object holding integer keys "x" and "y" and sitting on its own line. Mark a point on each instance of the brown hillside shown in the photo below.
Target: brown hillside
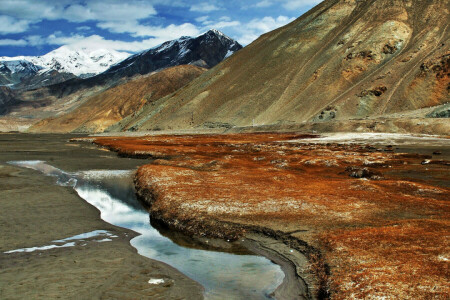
{"x": 109, "y": 107}
{"x": 344, "y": 59}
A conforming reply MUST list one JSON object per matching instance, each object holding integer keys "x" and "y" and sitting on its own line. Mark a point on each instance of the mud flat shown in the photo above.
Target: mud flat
{"x": 36, "y": 213}
{"x": 371, "y": 220}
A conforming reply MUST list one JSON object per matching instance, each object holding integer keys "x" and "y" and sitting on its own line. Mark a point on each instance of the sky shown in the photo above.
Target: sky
{"x": 36, "y": 27}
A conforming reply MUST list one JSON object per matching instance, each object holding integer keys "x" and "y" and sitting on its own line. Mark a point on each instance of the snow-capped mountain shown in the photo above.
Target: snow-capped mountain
{"x": 82, "y": 62}
{"x": 13, "y": 71}
{"x": 205, "y": 50}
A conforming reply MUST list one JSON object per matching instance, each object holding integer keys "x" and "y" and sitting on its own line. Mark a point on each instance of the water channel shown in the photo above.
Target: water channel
{"x": 224, "y": 275}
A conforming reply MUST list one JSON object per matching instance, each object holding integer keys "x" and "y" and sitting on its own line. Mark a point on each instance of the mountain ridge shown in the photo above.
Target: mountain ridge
{"x": 82, "y": 62}
{"x": 342, "y": 60}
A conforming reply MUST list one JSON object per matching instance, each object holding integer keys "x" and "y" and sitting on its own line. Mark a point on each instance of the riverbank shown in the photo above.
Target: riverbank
{"x": 372, "y": 220}
{"x": 36, "y": 212}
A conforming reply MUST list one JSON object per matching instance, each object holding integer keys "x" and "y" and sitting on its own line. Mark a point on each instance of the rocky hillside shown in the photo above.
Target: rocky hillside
{"x": 343, "y": 60}
{"x": 104, "y": 109}
{"x": 8, "y": 99}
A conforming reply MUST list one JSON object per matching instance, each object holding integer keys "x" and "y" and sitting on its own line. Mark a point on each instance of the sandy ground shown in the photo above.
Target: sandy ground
{"x": 35, "y": 212}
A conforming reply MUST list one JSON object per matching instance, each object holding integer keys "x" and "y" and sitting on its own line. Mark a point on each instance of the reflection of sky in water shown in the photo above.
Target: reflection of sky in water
{"x": 224, "y": 275}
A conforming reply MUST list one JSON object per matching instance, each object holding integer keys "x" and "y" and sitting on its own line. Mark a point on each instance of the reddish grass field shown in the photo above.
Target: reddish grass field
{"x": 381, "y": 234}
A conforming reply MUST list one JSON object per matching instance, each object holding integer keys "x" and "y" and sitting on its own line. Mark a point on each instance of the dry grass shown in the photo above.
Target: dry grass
{"x": 382, "y": 236}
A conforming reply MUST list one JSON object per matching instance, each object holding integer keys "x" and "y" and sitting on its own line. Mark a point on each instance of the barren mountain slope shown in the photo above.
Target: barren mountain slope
{"x": 109, "y": 107}
{"x": 343, "y": 59}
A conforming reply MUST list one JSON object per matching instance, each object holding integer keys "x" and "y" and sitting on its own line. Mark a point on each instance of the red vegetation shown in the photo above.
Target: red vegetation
{"x": 382, "y": 233}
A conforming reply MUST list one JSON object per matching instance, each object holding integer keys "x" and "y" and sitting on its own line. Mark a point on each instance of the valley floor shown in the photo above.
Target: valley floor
{"x": 372, "y": 218}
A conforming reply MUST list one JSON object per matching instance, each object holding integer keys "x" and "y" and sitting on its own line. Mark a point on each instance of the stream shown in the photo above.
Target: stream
{"x": 234, "y": 274}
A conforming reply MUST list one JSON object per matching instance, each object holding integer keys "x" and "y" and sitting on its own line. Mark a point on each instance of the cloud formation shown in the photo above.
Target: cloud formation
{"x": 12, "y": 25}
{"x": 136, "y": 25}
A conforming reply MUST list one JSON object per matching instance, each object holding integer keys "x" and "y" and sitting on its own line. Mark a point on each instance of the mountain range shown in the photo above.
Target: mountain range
{"x": 81, "y": 62}
{"x": 61, "y": 96}
{"x": 345, "y": 65}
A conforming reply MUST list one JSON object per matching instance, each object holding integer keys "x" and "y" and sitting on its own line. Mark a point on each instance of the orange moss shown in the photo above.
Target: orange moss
{"x": 382, "y": 238}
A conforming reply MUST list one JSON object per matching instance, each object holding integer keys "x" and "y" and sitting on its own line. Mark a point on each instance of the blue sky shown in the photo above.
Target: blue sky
{"x": 35, "y": 27}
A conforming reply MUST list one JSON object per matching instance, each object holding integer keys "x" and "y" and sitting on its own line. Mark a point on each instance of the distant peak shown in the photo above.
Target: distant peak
{"x": 215, "y": 32}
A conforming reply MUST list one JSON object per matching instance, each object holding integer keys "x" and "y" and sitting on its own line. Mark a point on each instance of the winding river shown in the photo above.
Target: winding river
{"x": 224, "y": 275}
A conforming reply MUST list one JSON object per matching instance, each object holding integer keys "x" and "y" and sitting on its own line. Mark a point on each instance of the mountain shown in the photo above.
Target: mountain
{"x": 82, "y": 62}
{"x": 60, "y": 98}
{"x": 13, "y": 71}
{"x": 205, "y": 50}
{"x": 106, "y": 108}
{"x": 42, "y": 78}
{"x": 60, "y": 65}
{"x": 342, "y": 61}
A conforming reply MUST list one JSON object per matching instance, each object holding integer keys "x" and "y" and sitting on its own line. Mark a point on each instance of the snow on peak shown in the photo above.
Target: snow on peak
{"x": 79, "y": 61}
{"x": 19, "y": 66}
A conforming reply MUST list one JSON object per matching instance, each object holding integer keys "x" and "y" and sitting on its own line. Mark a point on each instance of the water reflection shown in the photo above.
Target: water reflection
{"x": 224, "y": 275}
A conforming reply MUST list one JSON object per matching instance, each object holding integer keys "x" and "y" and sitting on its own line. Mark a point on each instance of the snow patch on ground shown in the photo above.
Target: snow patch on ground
{"x": 156, "y": 281}
{"x": 86, "y": 235}
{"x": 71, "y": 241}
{"x": 375, "y": 138}
{"x": 43, "y": 248}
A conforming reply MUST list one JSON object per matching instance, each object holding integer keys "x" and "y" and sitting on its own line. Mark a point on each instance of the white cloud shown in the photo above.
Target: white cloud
{"x": 202, "y": 19}
{"x": 264, "y": 3}
{"x": 83, "y": 28}
{"x": 223, "y": 24}
{"x": 10, "y": 42}
{"x": 98, "y": 42}
{"x": 78, "y": 41}
{"x": 204, "y": 7}
{"x": 100, "y": 11}
{"x": 296, "y": 4}
{"x": 247, "y": 33}
{"x": 12, "y": 25}
{"x": 77, "y": 11}
{"x": 169, "y": 32}
{"x": 35, "y": 40}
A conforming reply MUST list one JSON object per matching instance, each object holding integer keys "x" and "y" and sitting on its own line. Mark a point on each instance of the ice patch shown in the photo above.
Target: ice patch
{"x": 443, "y": 258}
{"x": 229, "y": 53}
{"x": 22, "y": 163}
{"x": 86, "y": 235}
{"x": 43, "y": 248}
{"x": 104, "y": 240}
{"x": 156, "y": 281}
{"x": 96, "y": 233}
{"x": 371, "y": 137}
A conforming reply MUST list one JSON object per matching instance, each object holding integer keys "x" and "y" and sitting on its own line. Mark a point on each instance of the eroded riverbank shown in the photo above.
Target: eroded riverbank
{"x": 371, "y": 219}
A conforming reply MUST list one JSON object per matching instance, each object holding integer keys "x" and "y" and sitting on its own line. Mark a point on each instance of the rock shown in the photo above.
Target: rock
{"x": 358, "y": 172}
{"x": 436, "y": 162}
{"x": 440, "y": 112}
